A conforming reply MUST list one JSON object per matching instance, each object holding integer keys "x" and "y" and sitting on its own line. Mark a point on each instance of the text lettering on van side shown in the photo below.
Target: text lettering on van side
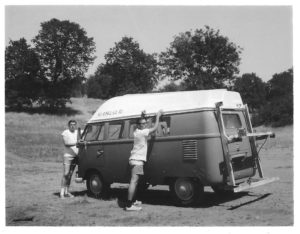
{"x": 110, "y": 113}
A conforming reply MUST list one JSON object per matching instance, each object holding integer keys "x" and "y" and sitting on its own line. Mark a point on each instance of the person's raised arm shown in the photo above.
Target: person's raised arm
{"x": 153, "y": 129}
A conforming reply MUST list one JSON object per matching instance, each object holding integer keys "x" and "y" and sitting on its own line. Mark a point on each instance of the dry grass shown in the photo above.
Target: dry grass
{"x": 37, "y": 136}
{"x": 284, "y": 136}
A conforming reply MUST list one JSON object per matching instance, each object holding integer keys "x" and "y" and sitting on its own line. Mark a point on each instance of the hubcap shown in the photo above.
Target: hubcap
{"x": 95, "y": 184}
{"x": 184, "y": 189}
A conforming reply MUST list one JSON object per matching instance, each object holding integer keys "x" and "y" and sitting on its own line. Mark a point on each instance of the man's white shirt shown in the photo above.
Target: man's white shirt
{"x": 70, "y": 138}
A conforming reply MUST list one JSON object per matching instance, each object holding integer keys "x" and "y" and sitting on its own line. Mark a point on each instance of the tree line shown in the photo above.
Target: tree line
{"x": 48, "y": 73}
{"x": 53, "y": 70}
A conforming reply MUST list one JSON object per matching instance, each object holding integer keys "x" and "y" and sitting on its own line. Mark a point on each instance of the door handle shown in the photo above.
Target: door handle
{"x": 99, "y": 153}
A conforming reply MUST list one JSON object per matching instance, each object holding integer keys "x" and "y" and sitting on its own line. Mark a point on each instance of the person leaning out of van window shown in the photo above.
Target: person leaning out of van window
{"x": 137, "y": 159}
{"x": 70, "y": 153}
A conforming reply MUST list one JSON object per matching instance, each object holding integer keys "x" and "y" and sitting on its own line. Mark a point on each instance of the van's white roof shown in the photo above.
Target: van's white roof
{"x": 131, "y": 105}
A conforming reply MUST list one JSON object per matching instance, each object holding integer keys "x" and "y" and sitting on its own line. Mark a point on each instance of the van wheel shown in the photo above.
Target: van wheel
{"x": 186, "y": 191}
{"x": 96, "y": 186}
{"x": 221, "y": 192}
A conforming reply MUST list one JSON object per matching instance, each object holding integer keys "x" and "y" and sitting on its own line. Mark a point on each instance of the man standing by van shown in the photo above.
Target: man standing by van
{"x": 137, "y": 159}
{"x": 70, "y": 154}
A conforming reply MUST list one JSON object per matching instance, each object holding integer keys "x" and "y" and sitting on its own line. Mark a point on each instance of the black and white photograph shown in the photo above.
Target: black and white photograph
{"x": 148, "y": 115}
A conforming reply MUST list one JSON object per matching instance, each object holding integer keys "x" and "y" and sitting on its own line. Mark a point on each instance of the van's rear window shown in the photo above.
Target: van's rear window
{"x": 232, "y": 121}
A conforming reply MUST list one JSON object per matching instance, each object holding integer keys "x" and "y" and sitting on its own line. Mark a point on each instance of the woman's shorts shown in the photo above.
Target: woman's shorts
{"x": 137, "y": 167}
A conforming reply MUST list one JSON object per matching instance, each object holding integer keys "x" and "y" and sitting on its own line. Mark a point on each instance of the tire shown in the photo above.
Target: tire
{"x": 96, "y": 186}
{"x": 186, "y": 191}
{"x": 221, "y": 192}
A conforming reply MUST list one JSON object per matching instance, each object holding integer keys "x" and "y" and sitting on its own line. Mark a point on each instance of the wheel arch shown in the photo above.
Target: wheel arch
{"x": 90, "y": 171}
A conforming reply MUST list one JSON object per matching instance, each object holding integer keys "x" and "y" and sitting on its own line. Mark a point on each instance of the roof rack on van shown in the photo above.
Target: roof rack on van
{"x": 131, "y": 105}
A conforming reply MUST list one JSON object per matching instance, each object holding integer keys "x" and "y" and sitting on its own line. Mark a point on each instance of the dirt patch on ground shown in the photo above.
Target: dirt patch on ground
{"x": 32, "y": 200}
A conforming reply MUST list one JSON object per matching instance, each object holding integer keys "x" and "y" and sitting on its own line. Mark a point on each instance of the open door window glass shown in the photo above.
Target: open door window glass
{"x": 232, "y": 121}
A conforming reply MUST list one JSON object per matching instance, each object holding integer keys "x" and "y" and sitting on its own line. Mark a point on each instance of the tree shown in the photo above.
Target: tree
{"x": 281, "y": 85}
{"x": 65, "y": 53}
{"x": 203, "y": 59}
{"x": 129, "y": 69}
{"x": 98, "y": 86}
{"x": 22, "y": 74}
{"x": 172, "y": 87}
{"x": 252, "y": 89}
{"x": 279, "y": 108}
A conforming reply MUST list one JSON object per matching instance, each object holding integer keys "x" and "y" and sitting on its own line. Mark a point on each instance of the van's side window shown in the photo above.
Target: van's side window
{"x": 93, "y": 131}
{"x": 201, "y": 122}
{"x": 232, "y": 121}
{"x": 164, "y": 127}
{"x": 115, "y": 131}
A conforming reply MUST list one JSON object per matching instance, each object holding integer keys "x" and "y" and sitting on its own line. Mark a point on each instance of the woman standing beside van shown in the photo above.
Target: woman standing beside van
{"x": 137, "y": 159}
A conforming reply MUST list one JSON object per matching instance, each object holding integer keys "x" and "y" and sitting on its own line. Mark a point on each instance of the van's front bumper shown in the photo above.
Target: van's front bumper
{"x": 251, "y": 183}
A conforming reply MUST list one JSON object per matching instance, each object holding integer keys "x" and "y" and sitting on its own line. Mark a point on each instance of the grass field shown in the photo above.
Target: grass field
{"x": 37, "y": 136}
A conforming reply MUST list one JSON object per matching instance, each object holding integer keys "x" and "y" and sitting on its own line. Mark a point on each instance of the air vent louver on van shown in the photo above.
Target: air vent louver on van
{"x": 189, "y": 149}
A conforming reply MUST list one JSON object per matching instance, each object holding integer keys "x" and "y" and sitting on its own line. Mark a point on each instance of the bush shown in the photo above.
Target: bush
{"x": 278, "y": 112}
{"x": 99, "y": 86}
{"x": 256, "y": 119}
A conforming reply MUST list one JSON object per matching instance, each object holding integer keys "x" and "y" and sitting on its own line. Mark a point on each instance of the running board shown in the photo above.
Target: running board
{"x": 251, "y": 183}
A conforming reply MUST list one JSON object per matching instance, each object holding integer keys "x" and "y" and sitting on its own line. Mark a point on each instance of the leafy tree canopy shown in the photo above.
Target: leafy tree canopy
{"x": 99, "y": 86}
{"x": 281, "y": 84}
{"x": 22, "y": 68}
{"x": 279, "y": 109}
{"x": 130, "y": 69}
{"x": 252, "y": 89}
{"x": 65, "y": 53}
{"x": 204, "y": 59}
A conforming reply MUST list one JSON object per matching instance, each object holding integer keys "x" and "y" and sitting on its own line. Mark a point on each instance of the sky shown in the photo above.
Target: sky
{"x": 264, "y": 32}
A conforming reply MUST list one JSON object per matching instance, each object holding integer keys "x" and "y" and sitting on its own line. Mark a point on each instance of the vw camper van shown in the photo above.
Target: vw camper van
{"x": 204, "y": 138}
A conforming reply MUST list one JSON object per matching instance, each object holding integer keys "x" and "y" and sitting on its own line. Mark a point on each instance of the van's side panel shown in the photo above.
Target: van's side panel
{"x": 88, "y": 159}
{"x": 211, "y": 155}
{"x": 167, "y": 157}
{"x": 167, "y": 160}
{"x": 117, "y": 155}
